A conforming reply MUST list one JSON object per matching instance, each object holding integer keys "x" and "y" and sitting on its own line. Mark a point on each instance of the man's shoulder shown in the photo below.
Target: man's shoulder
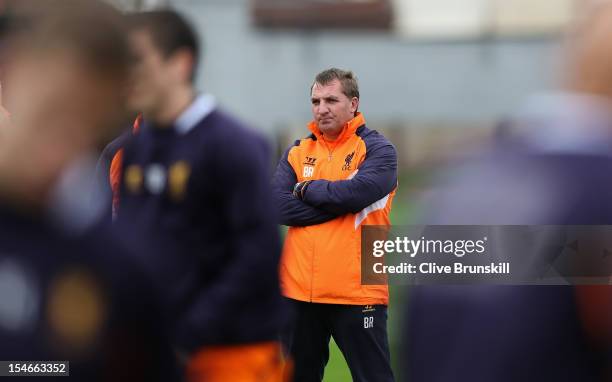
{"x": 554, "y": 188}
{"x": 305, "y": 143}
{"x": 375, "y": 141}
{"x": 371, "y": 137}
{"x": 228, "y": 141}
{"x": 222, "y": 127}
{"x": 46, "y": 243}
{"x": 115, "y": 145}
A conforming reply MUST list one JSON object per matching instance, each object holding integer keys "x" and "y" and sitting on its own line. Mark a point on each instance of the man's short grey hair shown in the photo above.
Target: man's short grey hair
{"x": 347, "y": 79}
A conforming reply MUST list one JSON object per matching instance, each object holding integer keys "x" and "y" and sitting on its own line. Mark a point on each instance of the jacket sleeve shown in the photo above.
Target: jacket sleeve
{"x": 376, "y": 177}
{"x": 292, "y": 211}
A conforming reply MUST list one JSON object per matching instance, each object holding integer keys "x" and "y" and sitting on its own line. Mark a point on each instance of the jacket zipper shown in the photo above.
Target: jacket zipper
{"x": 312, "y": 271}
{"x": 329, "y": 152}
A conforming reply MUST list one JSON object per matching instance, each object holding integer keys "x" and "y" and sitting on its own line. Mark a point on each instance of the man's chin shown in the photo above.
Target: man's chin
{"x": 326, "y": 126}
{"x": 138, "y": 106}
{"x": 329, "y": 129}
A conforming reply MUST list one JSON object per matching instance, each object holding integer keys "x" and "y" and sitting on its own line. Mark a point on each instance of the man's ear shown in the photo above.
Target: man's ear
{"x": 183, "y": 63}
{"x": 354, "y": 105}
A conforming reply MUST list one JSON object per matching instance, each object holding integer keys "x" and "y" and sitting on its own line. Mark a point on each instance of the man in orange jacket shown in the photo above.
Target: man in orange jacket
{"x": 327, "y": 186}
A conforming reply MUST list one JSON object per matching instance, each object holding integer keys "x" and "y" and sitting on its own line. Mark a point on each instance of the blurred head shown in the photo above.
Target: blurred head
{"x": 335, "y": 99}
{"x": 589, "y": 53}
{"x": 64, "y": 87}
{"x": 166, "y": 51}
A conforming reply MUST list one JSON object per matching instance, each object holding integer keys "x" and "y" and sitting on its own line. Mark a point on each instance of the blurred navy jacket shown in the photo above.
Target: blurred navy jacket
{"x": 199, "y": 193}
{"x": 555, "y": 172}
{"x": 78, "y": 297}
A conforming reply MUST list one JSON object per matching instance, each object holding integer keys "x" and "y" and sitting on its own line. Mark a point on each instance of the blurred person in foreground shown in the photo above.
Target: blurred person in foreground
{"x": 67, "y": 292}
{"x": 553, "y": 169}
{"x": 328, "y": 185}
{"x": 195, "y": 183}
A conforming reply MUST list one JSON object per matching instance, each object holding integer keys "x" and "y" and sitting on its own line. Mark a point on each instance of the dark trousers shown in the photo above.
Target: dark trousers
{"x": 359, "y": 330}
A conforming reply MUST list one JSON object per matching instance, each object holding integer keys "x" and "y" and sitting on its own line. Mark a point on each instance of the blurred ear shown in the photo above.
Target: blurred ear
{"x": 182, "y": 62}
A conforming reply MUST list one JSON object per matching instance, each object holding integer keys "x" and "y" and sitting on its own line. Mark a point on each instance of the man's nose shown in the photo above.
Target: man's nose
{"x": 323, "y": 108}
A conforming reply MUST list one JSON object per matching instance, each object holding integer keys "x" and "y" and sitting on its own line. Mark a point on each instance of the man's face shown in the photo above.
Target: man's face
{"x": 60, "y": 109}
{"x": 57, "y": 93}
{"x": 331, "y": 108}
{"x": 151, "y": 74}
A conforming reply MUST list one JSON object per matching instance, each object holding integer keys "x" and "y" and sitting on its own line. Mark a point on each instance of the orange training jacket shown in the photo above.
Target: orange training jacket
{"x": 353, "y": 181}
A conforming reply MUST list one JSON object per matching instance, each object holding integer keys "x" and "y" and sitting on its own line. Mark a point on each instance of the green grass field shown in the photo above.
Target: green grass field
{"x": 336, "y": 369}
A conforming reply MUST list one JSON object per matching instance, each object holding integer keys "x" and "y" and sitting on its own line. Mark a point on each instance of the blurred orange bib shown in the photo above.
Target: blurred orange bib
{"x": 261, "y": 362}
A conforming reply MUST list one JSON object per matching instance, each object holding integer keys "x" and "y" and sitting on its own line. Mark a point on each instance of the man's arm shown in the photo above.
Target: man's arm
{"x": 292, "y": 211}
{"x": 377, "y": 177}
